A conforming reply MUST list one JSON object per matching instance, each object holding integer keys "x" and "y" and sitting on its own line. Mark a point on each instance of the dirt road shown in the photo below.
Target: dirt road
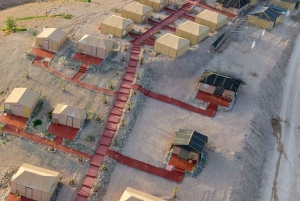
{"x": 284, "y": 181}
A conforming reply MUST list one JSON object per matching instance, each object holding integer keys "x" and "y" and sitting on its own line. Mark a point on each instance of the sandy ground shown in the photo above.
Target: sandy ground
{"x": 17, "y": 152}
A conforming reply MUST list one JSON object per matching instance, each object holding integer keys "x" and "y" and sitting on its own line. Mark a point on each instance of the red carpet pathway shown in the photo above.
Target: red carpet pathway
{"x": 175, "y": 176}
{"x": 210, "y": 111}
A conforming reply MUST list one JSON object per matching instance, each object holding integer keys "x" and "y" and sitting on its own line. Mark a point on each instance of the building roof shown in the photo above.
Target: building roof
{"x": 54, "y": 34}
{"x": 290, "y": 1}
{"x": 193, "y": 28}
{"x": 23, "y": 96}
{"x": 190, "y": 140}
{"x": 157, "y": 1}
{"x": 233, "y": 3}
{"x": 117, "y": 22}
{"x": 35, "y": 177}
{"x": 131, "y": 194}
{"x": 265, "y": 13}
{"x": 137, "y": 8}
{"x": 172, "y": 41}
{"x": 211, "y": 16}
{"x": 220, "y": 81}
{"x": 69, "y": 111}
{"x": 95, "y": 41}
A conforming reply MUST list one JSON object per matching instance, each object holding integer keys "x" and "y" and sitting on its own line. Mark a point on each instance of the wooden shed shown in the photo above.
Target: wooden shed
{"x": 117, "y": 26}
{"x": 68, "y": 115}
{"x": 157, "y": 5}
{"x": 21, "y": 102}
{"x": 51, "y": 39}
{"x": 171, "y": 45}
{"x": 138, "y": 13}
{"x": 94, "y": 46}
{"x": 34, "y": 182}
{"x": 264, "y": 17}
{"x": 211, "y": 19}
{"x": 192, "y": 31}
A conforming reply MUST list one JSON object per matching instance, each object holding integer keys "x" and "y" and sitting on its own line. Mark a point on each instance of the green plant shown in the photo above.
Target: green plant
{"x": 68, "y": 16}
{"x": 104, "y": 168}
{"x": 138, "y": 76}
{"x": 37, "y": 122}
{"x": 105, "y": 99}
{"x": 21, "y": 29}
{"x": 90, "y": 138}
{"x": 11, "y": 24}
{"x": 141, "y": 60}
{"x": 98, "y": 118}
{"x": 63, "y": 86}
{"x": 49, "y": 115}
{"x": 52, "y": 143}
{"x": 111, "y": 84}
{"x": 81, "y": 159}
{"x": 67, "y": 142}
{"x": 116, "y": 142}
{"x": 34, "y": 33}
{"x": 175, "y": 192}
{"x": 122, "y": 122}
{"x": 129, "y": 105}
{"x": 27, "y": 74}
{"x": 2, "y": 92}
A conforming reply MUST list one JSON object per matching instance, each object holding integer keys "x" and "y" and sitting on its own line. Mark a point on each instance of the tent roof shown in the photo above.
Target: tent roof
{"x": 117, "y": 22}
{"x": 131, "y": 194}
{"x": 193, "y": 28}
{"x": 172, "y": 41}
{"x": 69, "y": 111}
{"x": 233, "y": 3}
{"x": 137, "y": 8}
{"x": 22, "y": 96}
{"x": 265, "y": 13}
{"x": 220, "y": 81}
{"x": 157, "y": 1}
{"x": 95, "y": 41}
{"x": 35, "y": 177}
{"x": 190, "y": 140}
{"x": 211, "y": 16}
{"x": 54, "y": 34}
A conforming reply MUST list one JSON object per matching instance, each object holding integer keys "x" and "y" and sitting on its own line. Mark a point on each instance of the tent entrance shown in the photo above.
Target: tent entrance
{"x": 94, "y": 51}
{"x": 46, "y": 44}
{"x": 70, "y": 121}
{"x": 17, "y": 110}
{"x": 28, "y": 192}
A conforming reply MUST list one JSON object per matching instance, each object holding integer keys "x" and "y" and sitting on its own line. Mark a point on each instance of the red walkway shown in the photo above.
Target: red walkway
{"x": 210, "y": 111}
{"x": 42, "y": 53}
{"x": 12, "y": 197}
{"x": 170, "y": 175}
{"x": 213, "y": 99}
{"x": 180, "y": 163}
{"x": 63, "y": 131}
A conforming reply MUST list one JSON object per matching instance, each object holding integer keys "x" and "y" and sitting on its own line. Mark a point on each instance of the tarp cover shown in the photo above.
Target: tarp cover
{"x": 22, "y": 96}
{"x": 102, "y": 43}
{"x": 233, "y": 3}
{"x": 265, "y": 13}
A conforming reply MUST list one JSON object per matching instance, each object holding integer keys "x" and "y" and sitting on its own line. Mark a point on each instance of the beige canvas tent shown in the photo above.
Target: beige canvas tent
{"x": 68, "y": 115}
{"x": 137, "y": 12}
{"x": 94, "y": 46}
{"x": 157, "y": 5}
{"x": 192, "y": 31}
{"x": 21, "y": 102}
{"x": 287, "y": 4}
{"x": 131, "y": 194}
{"x": 171, "y": 45}
{"x": 264, "y": 17}
{"x": 34, "y": 182}
{"x": 117, "y": 26}
{"x": 211, "y": 19}
{"x": 51, "y": 39}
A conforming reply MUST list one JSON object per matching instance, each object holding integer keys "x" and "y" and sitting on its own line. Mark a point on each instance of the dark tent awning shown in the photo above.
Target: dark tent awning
{"x": 265, "y": 13}
{"x": 233, "y": 3}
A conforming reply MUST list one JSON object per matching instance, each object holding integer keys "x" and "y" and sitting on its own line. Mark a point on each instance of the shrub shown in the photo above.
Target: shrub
{"x": 11, "y": 24}
{"x": 34, "y": 33}
{"x": 37, "y": 122}
{"x": 68, "y": 16}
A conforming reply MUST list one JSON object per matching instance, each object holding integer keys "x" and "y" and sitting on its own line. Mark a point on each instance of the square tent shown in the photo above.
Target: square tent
{"x": 34, "y": 182}
{"x": 131, "y": 194}
{"x": 21, "y": 102}
{"x": 171, "y": 45}
{"x": 211, "y": 19}
{"x": 137, "y": 12}
{"x": 94, "y": 46}
{"x": 117, "y": 26}
{"x": 188, "y": 144}
{"x": 68, "y": 115}
{"x": 192, "y": 31}
{"x": 287, "y": 4}
{"x": 264, "y": 17}
{"x": 51, "y": 39}
{"x": 157, "y": 5}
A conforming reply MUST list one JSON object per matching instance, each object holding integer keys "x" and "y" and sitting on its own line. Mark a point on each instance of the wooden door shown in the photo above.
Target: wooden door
{"x": 70, "y": 121}
{"x": 28, "y": 192}
{"x": 94, "y": 51}
{"x": 17, "y": 110}
{"x": 45, "y": 44}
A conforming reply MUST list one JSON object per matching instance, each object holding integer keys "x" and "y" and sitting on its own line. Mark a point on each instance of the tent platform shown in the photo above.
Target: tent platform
{"x": 12, "y": 197}
{"x": 87, "y": 59}
{"x": 42, "y": 53}
{"x": 180, "y": 163}
{"x": 63, "y": 131}
{"x": 17, "y": 121}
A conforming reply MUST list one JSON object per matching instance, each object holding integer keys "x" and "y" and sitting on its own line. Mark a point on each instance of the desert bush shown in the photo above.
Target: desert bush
{"x": 11, "y": 24}
{"x": 37, "y": 122}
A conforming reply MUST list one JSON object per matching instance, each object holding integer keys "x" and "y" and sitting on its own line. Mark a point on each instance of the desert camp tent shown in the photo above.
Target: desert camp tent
{"x": 171, "y": 45}
{"x": 34, "y": 182}
{"x": 117, "y": 26}
{"x": 68, "y": 115}
{"x": 131, "y": 194}
{"x": 157, "y": 5}
{"x": 137, "y": 12}
{"x": 188, "y": 144}
{"x": 192, "y": 31}
{"x": 232, "y": 6}
{"x": 264, "y": 17}
{"x": 21, "y": 102}
{"x": 94, "y": 46}
{"x": 287, "y": 4}
{"x": 51, "y": 39}
{"x": 211, "y": 19}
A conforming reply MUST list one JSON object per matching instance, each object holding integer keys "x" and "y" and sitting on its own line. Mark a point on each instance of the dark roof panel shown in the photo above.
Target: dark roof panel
{"x": 265, "y": 13}
{"x": 233, "y": 3}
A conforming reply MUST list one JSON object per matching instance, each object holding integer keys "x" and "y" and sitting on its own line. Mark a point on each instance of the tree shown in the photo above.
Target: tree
{"x": 11, "y": 24}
